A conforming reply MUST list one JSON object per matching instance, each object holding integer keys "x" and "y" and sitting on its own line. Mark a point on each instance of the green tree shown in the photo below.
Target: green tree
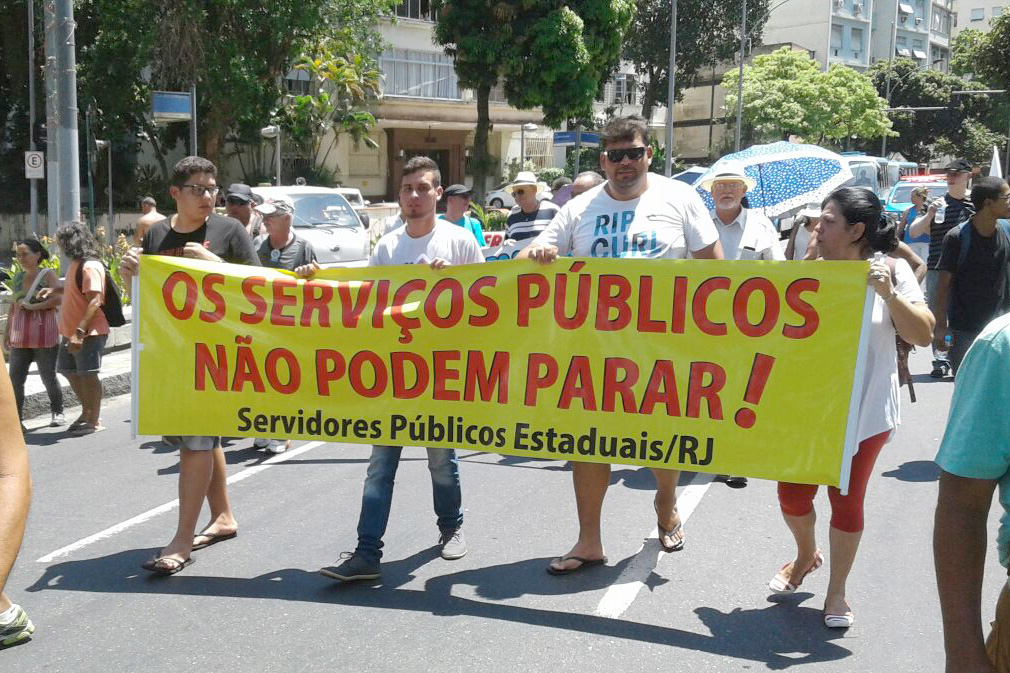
{"x": 926, "y": 134}
{"x": 546, "y": 55}
{"x": 984, "y": 55}
{"x": 785, "y": 93}
{"x": 705, "y": 36}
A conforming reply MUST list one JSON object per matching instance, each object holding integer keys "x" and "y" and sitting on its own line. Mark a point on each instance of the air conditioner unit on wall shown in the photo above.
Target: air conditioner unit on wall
{"x": 857, "y": 7}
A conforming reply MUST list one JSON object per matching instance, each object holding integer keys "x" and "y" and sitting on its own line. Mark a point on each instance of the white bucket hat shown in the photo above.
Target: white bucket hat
{"x": 526, "y": 179}
{"x": 728, "y": 170}
{"x": 812, "y": 211}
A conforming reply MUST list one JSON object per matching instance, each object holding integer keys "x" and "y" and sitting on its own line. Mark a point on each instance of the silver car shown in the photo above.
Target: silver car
{"x": 325, "y": 219}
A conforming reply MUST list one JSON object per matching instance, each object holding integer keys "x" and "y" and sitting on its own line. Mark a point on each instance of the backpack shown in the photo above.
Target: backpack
{"x": 1002, "y": 227}
{"x": 112, "y": 307}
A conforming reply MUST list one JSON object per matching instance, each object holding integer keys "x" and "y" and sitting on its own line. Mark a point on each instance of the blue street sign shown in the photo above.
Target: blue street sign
{"x": 171, "y": 106}
{"x": 567, "y": 138}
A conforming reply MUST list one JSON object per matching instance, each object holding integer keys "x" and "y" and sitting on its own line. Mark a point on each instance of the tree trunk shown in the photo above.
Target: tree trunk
{"x": 649, "y": 96}
{"x": 480, "y": 153}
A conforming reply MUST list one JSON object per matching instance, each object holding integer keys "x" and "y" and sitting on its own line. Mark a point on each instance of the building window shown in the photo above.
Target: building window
{"x": 836, "y": 40}
{"x": 419, "y": 74}
{"x": 298, "y": 83}
{"x": 625, "y": 89}
{"x": 997, "y": 11}
{"x": 856, "y": 40}
{"x": 941, "y": 22}
{"x": 978, "y": 14}
{"x": 415, "y": 9}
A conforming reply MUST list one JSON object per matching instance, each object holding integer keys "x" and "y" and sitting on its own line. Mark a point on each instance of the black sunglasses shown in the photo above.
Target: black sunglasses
{"x": 633, "y": 153}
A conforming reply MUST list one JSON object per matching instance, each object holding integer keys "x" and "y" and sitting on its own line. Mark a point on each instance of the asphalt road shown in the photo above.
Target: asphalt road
{"x": 103, "y": 505}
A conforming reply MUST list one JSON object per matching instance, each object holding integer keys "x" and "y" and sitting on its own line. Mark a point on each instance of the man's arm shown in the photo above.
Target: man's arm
{"x": 920, "y": 225}
{"x": 713, "y": 251}
{"x": 15, "y": 481}
{"x": 942, "y": 299}
{"x": 959, "y": 542}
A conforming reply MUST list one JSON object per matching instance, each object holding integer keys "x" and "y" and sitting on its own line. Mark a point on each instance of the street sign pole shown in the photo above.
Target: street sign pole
{"x": 69, "y": 162}
{"x": 52, "y": 128}
{"x": 192, "y": 122}
{"x": 671, "y": 92}
{"x": 34, "y": 194}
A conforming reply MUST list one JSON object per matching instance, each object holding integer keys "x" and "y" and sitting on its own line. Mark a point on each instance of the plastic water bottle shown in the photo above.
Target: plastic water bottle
{"x": 947, "y": 342}
{"x": 941, "y": 213}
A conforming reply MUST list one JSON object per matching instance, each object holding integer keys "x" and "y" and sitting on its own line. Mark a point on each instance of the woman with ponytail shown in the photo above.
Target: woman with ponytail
{"x": 852, "y": 228}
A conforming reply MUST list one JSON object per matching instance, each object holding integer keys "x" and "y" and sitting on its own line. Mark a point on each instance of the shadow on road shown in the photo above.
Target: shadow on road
{"x": 780, "y": 636}
{"x": 916, "y": 471}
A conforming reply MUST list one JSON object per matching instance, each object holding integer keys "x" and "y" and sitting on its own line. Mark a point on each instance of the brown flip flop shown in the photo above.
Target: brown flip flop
{"x": 583, "y": 563}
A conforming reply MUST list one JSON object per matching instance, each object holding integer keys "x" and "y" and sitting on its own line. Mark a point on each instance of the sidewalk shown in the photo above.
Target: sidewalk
{"x": 115, "y": 378}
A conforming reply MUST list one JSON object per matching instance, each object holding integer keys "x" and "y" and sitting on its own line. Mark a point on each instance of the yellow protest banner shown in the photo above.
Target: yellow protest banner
{"x": 734, "y": 367}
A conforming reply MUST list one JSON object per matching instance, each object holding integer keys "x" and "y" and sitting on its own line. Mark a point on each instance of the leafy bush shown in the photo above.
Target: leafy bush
{"x": 494, "y": 219}
{"x": 549, "y": 175}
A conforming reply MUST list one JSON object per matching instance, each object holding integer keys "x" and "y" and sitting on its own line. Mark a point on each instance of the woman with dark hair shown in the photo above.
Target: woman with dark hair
{"x": 31, "y": 334}
{"x": 82, "y": 323}
{"x": 852, "y": 228}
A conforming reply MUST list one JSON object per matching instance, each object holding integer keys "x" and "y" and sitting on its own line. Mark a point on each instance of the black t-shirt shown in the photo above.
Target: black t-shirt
{"x": 980, "y": 287}
{"x": 223, "y": 236}
{"x": 958, "y": 211}
{"x": 298, "y": 252}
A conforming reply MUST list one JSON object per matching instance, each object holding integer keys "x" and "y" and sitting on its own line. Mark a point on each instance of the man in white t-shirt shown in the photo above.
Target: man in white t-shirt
{"x": 422, "y": 240}
{"x": 634, "y": 214}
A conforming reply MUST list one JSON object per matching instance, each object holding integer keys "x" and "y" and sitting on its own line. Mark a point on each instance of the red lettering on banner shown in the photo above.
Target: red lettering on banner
{"x": 189, "y": 301}
{"x": 381, "y": 299}
{"x": 536, "y": 379}
{"x": 351, "y": 312}
{"x": 406, "y": 323}
{"x": 246, "y": 370}
{"x": 478, "y": 377}
{"x": 330, "y": 366}
{"x": 209, "y": 281}
{"x": 216, "y": 366}
{"x": 607, "y": 299}
{"x": 455, "y": 290}
{"x": 316, "y": 298}
{"x": 583, "y": 292}
{"x": 490, "y": 306}
{"x": 794, "y": 300}
{"x": 282, "y": 300}
{"x": 661, "y": 389}
{"x": 645, "y": 321}
{"x": 441, "y": 374}
{"x": 358, "y": 361}
{"x": 397, "y": 361}
{"x": 578, "y": 384}
{"x": 741, "y": 302}
{"x": 679, "y": 313}
{"x": 294, "y": 381}
{"x": 525, "y": 298}
{"x": 699, "y": 306}
{"x": 699, "y": 389}
{"x": 259, "y": 304}
{"x": 612, "y": 386}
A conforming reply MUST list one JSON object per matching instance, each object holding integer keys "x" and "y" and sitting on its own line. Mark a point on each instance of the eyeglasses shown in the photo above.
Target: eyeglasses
{"x": 633, "y": 153}
{"x": 200, "y": 190}
{"x": 519, "y": 192}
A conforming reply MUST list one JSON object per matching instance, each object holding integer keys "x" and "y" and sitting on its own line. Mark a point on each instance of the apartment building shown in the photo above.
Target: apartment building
{"x": 978, "y": 14}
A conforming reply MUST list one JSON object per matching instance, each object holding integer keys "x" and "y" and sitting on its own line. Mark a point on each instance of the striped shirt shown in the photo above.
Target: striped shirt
{"x": 520, "y": 225}
{"x": 958, "y": 211}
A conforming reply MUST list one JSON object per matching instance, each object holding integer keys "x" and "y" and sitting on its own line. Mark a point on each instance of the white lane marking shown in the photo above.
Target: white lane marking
{"x": 169, "y": 506}
{"x": 622, "y": 593}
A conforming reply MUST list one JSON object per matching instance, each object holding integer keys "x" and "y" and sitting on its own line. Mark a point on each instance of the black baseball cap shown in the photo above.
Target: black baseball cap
{"x": 239, "y": 191}
{"x": 959, "y": 165}
{"x": 457, "y": 190}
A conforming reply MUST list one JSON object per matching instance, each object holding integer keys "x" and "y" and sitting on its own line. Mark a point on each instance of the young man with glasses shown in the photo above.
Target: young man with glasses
{"x": 198, "y": 233}
{"x": 634, "y": 214}
{"x": 974, "y": 268}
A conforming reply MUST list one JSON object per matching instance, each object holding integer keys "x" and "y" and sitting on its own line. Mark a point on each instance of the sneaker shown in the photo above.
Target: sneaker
{"x": 353, "y": 569}
{"x": 278, "y": 446}
{"x": 453, "y": 545}
{"x": 58, "y": 420}
{"x": 261, "y": 443}
{"x": 18, "y": 630}
{"x": 940, "y": 369}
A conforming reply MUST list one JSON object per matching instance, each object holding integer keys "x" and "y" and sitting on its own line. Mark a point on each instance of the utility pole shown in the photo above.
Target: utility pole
{"x": 192, "y": 122}
{"x": 671, "y": 91}
{"x": 52, "y": 133}
{"x": 739, "y": 85}
{"x": 66, "y": 88}
{"x": 34, "y": 195}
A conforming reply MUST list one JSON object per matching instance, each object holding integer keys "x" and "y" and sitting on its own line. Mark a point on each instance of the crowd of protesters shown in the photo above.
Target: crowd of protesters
{"x": 967, "y": 275}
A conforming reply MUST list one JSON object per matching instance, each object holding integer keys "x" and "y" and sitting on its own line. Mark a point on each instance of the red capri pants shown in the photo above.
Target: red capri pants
{"x": 846, "y": 510}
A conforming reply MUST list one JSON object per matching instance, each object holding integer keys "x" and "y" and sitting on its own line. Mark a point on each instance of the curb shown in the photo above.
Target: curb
{"x": 37, "y": 404}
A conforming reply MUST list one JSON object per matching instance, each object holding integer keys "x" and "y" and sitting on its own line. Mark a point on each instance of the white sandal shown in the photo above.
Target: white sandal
{"x": 782, "y": 586}
{"x": 839, "y": 621}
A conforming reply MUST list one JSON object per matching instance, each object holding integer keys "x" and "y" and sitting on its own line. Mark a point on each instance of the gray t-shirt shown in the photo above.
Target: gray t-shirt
{"x": 298, "y": 252}
{"x": 446, "y": 241}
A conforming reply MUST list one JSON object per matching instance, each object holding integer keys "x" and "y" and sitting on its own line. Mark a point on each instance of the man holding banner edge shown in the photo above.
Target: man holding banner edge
{"x": 634, "y": 214}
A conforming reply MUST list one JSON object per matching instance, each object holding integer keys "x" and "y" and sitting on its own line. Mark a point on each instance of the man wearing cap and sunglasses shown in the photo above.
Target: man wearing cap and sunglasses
{"x": 239, "y": 203}
{"x": 943, "y": 214}
{"x": 634, "y": 214}
{"x": 457, "y": 202}
{"x": 197, "y": 232}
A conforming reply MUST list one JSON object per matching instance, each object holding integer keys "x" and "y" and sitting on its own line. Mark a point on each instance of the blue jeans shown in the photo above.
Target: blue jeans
{"x": 378, "y": 496}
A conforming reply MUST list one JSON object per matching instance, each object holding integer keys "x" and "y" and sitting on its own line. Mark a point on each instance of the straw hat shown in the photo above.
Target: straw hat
{"x": 526, "y": 179}
{"x": 728, "y": 170}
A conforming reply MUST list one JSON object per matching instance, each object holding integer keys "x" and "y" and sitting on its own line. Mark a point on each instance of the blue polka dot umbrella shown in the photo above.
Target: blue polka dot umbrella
{"x": 788, "y": 175}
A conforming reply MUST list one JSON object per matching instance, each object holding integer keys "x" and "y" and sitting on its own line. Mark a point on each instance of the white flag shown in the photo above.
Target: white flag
{"x": 995, "y": 169}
